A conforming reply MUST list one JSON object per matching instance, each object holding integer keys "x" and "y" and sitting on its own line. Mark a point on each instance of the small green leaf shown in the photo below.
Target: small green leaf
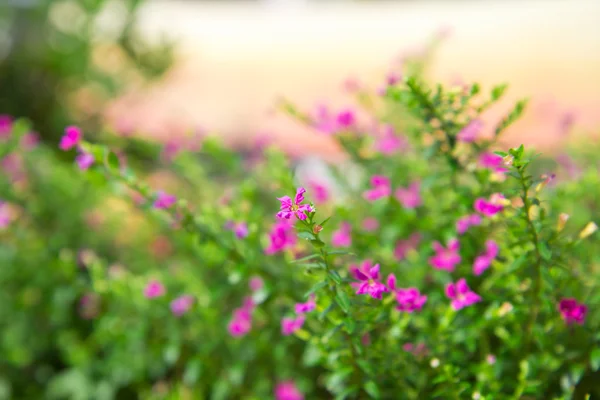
{"x": 325, "y": 312}
{"x": 316, "y": 287}
{"x": 595, "y": 359}
{"x": 317, "y": 243}
{"x": 498, "y": 91}
{"x": 306, "y": 235}
{"x": 339, "y": 253}
{"x": 545, "y": 252}
{"x": 372, "y": 389}
{"x": 333, "y": 274}
{"x": 299, "y": 260}
{"x": 111, "y": 159}
{"x": 325, "y": 221}
{"x": 350, "y": 325}
{"x": 342, "y": 299}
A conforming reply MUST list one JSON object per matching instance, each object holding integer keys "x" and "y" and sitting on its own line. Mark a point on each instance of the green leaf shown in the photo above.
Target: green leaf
{"x": 545, "y": 252}
{"x": 339, "y": 253}
{"x": 333, "y": 274}
{"x": 595, "y": 359}
{"x": 316, "y": 287}
{"x": 306, "y": 235}
{"x": 350, "y": 325}
{"x": 111, "y": 159}
{"x": 372, "y": 389}
{"x": 498, "y": 91}
{"x": 325, "y": 312}
{"x": 305, "y": 258}
{"x": 325, "y": 221}
{"x": 342, "y": 299}
{"x": 318, "y": 243}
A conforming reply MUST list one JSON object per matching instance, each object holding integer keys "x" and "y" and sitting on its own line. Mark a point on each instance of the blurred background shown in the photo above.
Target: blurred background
{"x": 167, "y": 67}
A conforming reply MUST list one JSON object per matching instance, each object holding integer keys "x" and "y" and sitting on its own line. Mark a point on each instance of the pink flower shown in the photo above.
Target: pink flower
{"x": 170, "y": 151}
{"x": 464, "y": 223}
{"x": 30, "y": 140}
{"x": 84, "y": 160}
{"x": 6, "y": 123}
{"x": 331, "y": 124}
{"x": 291, "y": 325}
{"x": 490, "y": 207}
{"x": 13, "y": 166}
{"x": 310, "y": 305}
{"x": 389, "y": 143}
{"x": 370, "y": 224}
{"x": 483, "y": 261}
{"x": 491, "y": 359}
{"x": 287, "y": 390}
{"x": 154, "y": 289}
{"x": 281, "y": 237}
{"x": 346, "y": 118}
{"x": 491, "y": 161}
{"x": 181, "y": 305}
{"x": 470, "y": 132}
{"x": 289, "y": 207}
{"x": 572, "y": 311}
{"x": 404, "y": 246}
{"x": 321, "y": 193}
{"x": 381, "y": 188}
{"x": 461, "y": 295}
{"x": 240, "y": 229}
{"x": 410, "y": 197}
{"x": 342, "y": 237}
{"x": 369, "y": 280}
{"x": 256, "y": 283}
{"x": 241, "y": 323}
{"x": 409, "y": 300}
{"x": 446, "y": 258}
{"x": 71, "y": 138}
{"x": 5, "y": 215}
{"x": 164, "y": 200}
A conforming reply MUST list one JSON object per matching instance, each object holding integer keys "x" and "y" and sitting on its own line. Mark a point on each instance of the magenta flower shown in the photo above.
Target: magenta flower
{"x": 572, "y": 311}
{"x": 164, "y": 200}
{"x": 470, "y": 132}
{"x": 491, "y": 161}
{"x": 281, "y": 237}
{"x": 241, "y": 323}
{"x": 409, "y": 300}
{"x": 342, "y": 237}
{"x": 321, "y": 192}
{"x": 446, "y": 258}
{"x": 240, "y": 230}
{"x": 329, "y": 123}
{"x": 181, "y": 305}
{"x": 256, "y": 283}
{"x": 461, "y": 295}
{"x": 287, "y": 390}
{"x": 404, "y": 246}
{"x": 410, "y": 197}
{"x": 6, "y": 123}
{"x": 490, "y": 207}
{"x": 84, "y": 160}
{"x": 71, "y": 138}
{"x": 295, "y": 207}
{"x": 5, "y": 215}
{"x": 483, "y": 261}
{"x": 303, "y": 308}
{"x": 381, "y": 188}
{"x": 291, "y": 325}
{"x": 154, "y": 289}
{"x": 345, "y": 119}
{"x": 369, "y": 280}
{"x": 464, "y": 223}
{"x": 389, "y": 143}
{"x": 370, "y": 224}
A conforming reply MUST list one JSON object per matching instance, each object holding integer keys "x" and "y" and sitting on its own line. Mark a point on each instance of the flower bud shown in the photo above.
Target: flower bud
{"x": 546, "y": 180}
{"x": 508, "y": 160}
{"x": 317, "y": 229}
{"x": 562, "y": 221}
{"x": 590, "y": 228}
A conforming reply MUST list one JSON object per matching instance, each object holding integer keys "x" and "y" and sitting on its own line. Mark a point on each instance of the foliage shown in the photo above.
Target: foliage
{"x": 97, "y": 259}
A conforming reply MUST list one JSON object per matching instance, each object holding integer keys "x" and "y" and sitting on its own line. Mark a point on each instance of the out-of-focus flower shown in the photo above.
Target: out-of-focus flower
{"x": 241, "y": 323}
{"x": 470, "y": 132}
{"x": 281, "y": 237}
{"x": 572, "y": 311}
{"x": 291, "y": 325}
{"x": 84, "y": 160}
{"x": 303, "y": 308}
{"x": 342, "y": 237}
{"x": 370, "y": 224}
{"x": 546, "y": 179}
{"x": 256, "y": 283}
{"x": 446, "y": 258}
{"x": 483, "y": 261}
{"x": 287, "y": 390}
{"x": 30, "y": 140}
{"x": 6, "y": 123}
{"x": 492, "y": 162}
{"x": 490, "y": 207}
{"x": 321, "y": 192}
{"x": 464, "y": 223}
{"x": 389, "y": 143}
{"x": 295, "y": 207}
{"x": 369, "y": 280}
{"x": 588, "y": 230}
{"x": 89, "y": 306}
{"x": 562, "y": 221}
{"x": 240, "y": 229}
{"x": 154, "y": 289}
{"x": 410, "y": 197}
{"x": 381, "y": 188}
{"x": 71, "y": 138}
{"x": 181, "y": 305}
{"x": 164, "y": 200}
{"x": 409, "y": 299}
{"x": 403, "y": 247}
{"x": 5, "y": 215}
{"x": 461, "y": 295}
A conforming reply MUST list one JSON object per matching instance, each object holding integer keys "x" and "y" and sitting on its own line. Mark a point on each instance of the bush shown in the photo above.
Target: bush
{"x": 427, "y": 266}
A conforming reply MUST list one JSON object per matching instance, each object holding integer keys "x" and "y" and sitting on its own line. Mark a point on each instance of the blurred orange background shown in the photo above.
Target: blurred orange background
{"x": 235, "y": 58}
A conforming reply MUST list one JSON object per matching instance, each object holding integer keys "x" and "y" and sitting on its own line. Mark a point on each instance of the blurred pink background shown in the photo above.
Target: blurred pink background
{"x": 235, "y": 58}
